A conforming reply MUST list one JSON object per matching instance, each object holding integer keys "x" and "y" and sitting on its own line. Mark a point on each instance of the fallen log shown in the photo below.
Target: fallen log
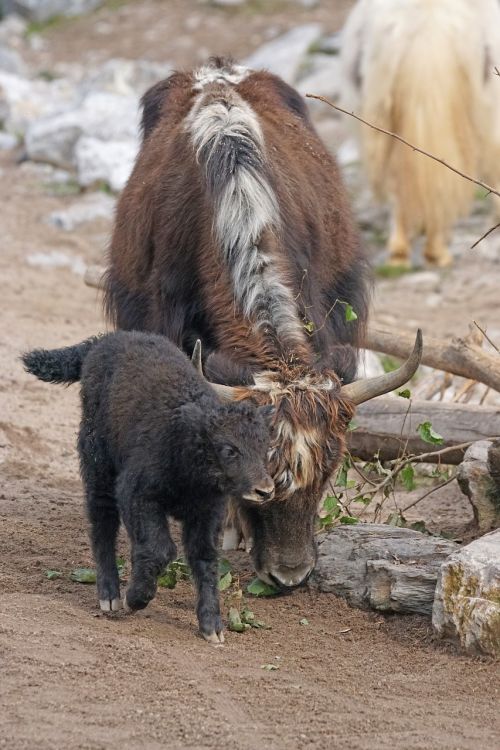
{"x": 386, "y": 426}
{"x": 380, "y": 566}
{"x": 459, "y": 355}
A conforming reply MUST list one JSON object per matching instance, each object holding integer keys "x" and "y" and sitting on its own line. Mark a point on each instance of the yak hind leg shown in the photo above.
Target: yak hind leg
{"x": 436, "y": 251}
{"x": 237, "y": 530}
{"x": 399, "y": 243}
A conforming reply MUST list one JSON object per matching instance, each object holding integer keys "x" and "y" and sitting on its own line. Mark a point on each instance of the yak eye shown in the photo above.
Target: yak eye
{"x": 229, "y": 451}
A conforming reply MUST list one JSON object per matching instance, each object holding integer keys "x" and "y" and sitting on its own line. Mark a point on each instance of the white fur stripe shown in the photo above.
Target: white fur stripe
{"x": 245, "y": 206}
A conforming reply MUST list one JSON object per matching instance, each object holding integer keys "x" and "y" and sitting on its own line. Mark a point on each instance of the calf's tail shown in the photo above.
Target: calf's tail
{"x": 58, "y": 365}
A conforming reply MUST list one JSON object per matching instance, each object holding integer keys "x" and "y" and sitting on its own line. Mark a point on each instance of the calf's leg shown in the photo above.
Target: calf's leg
{"x": 200, "y": 537}
{"x": 104, "y": 520}
{"x": 152, "y": 546}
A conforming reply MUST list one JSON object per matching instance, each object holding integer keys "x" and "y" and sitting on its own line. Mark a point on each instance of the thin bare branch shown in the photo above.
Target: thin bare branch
{"x": 492, "y": 229}
{"x": 495, "y": 347}
{"x": 426, "y": 494}
{"x": 406, "y": 143}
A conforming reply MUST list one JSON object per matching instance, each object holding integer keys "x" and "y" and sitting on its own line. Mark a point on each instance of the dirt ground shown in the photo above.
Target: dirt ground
{"x": 71, "y": 679}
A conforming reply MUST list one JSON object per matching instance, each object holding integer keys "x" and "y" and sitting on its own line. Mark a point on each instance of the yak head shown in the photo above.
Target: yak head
{"x": 311, "y": 415}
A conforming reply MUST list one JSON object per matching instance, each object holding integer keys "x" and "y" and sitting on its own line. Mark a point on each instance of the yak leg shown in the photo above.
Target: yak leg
{"x": 200, "y": 537}
{"x": 102, "y": 512}
{"x": 152, "y": 546}
{"x": 237, "y": 529}
{"x": 399, "y": 242}
{"x": 436, "y": 251}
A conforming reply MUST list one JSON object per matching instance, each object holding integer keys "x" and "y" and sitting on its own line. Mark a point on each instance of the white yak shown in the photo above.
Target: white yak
{"x": 425, "y": 69}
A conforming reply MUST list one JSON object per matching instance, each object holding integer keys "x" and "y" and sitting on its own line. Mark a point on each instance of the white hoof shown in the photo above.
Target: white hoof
{"x": 110, "y": 605}
{"x": 217, "y": 639}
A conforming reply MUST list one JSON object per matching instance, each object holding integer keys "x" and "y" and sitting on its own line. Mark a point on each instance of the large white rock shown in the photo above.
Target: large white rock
{"x": 476, "y": 481}
{"x": 24, "y": 101}
{"x": 103, "y": 116}
{"x": 467, "y": 601}
{"x": 110, "y": 162}
{"x": 285, "y": 55}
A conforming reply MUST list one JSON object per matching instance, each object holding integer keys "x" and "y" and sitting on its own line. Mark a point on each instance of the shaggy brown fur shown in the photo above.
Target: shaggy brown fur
{"x": 235, "y": 228}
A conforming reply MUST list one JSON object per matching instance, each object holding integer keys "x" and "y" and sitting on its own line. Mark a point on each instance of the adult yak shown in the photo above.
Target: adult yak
{"x": 234, "y": 228}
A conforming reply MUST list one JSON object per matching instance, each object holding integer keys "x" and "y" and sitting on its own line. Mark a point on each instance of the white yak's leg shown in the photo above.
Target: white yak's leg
{"x": 399, "y": 242}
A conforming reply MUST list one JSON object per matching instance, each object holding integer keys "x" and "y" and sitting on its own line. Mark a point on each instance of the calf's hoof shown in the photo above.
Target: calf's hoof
{"x": 217, "y": 639}
{"x": 110, "y": 605}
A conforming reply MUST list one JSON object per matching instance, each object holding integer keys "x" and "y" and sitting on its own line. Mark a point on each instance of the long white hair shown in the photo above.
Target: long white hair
{"x": 425, "y": 70}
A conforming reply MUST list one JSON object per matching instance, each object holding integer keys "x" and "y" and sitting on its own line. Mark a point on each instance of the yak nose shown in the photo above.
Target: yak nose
{"x": 289, "y": 577}
{"x": 266, "y": 491}
{"x": 262, "y": 493}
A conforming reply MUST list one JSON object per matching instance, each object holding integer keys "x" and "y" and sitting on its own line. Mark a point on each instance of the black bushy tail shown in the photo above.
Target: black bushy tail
{"x": 58, "y": 365}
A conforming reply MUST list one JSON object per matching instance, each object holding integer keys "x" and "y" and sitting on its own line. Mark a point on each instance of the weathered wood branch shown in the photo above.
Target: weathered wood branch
{"x": 457, "y": 356}
{"x": 385, "y": 426}
{"x": 378, "y": 566}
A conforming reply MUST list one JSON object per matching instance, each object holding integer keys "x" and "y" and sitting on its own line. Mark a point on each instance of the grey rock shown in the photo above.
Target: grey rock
{"x": 11, "y": 62}
{"x": 7, "y": 141}
{"x": 109, "y": 162}
{"x": 126, "y": 77}
{"x": 104, "y": 116}
{"x": 285, "y": 55}
{"x": 91, "y": 208}
{"x": 477, "y": 479}
{"x": 324, "y": 80}
{"x": 23, "y": 101}
{"x": 383, "y": 567}
{"x": 43, "y": 10}
{"x": 467, "y": 601}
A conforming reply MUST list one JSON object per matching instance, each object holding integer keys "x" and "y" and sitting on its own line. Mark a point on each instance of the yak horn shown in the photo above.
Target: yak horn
{"x": 225, "y": 392}
{"x": 363, "y": 390}
{"x": 196, "y": 358}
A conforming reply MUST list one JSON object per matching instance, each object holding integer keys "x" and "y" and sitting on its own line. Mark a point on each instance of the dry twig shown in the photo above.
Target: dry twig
{"x": 488, "y": 188}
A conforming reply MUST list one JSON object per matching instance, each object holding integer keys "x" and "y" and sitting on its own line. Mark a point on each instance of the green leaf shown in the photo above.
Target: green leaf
{"x": 259, "y": 588}
{"x": 364, "y": 499}
{"x": 304, "y": 621}
{"x": 224, "y": 567}
{"x": 83, "y": 575}
{"x": 353, "y": 425}
{"x": 309, "y": 326}
{"x": 235, "y": 623}
{"x": 330, "y": 504}
{"x": 396, "y": 519}
{"x": 406, "y": 393}
{"x": 350, "y": 315}
{"x": 428, "y": 435}
{"x": 408, "y": 477}
{"x": 225, "y": 582}
{"x": 419, "y": 526}
{"x": 270, "y": 667}
{"x": 349, "y": 520}
{"x": 53, "y": 574}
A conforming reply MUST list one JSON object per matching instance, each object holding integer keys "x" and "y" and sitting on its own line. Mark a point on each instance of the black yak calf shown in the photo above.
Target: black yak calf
{"x": 155, "y": 441}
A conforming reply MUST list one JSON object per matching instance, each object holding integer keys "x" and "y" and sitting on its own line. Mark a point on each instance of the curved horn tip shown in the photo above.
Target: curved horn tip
{"x": 364, "y": 390}
{"x": 196, "y": 357}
